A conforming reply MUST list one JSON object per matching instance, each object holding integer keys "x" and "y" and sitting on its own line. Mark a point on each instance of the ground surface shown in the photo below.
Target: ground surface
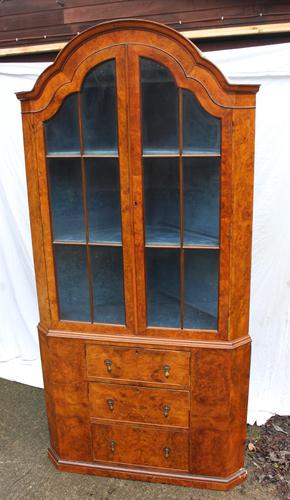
{"x": 26, "y": 472}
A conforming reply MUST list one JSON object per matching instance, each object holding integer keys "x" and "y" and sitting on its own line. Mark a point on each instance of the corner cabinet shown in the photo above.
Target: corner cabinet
{"x": 139, "y": 158}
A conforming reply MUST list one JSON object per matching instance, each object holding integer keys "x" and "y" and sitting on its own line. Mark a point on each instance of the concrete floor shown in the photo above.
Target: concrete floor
{"x": 26, "y": 472}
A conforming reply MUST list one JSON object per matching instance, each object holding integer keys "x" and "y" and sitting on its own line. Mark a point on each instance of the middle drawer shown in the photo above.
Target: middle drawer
{"x": 139, "y": 404}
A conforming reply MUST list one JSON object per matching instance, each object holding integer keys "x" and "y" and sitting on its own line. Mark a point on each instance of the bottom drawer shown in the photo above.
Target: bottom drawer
{"x": 135, "y": 445}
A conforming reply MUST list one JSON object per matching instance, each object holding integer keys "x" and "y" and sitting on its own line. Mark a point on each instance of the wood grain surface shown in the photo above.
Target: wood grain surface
{"x": 132, "y": 401}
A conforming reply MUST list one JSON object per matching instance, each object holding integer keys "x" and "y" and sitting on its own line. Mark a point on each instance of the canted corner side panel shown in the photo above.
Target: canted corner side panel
{"x": 218, "y": 410}
{"x": 49, "y": 402}
{"x": 240, "y": 373}
{"x": 241, "y": 224}
{"x": 33, "y": 189}
{"x": 67, "y": 390}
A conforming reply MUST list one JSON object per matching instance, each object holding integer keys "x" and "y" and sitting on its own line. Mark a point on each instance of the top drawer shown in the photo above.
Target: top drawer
{"x": 139, "y": 365}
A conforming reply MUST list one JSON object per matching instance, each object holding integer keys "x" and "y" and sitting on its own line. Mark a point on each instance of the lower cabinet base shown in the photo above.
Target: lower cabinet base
{"x": 153, "y": 476}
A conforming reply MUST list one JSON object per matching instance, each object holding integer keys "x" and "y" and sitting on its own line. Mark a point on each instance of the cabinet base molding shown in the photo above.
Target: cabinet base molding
{"x": 152, "y": 476}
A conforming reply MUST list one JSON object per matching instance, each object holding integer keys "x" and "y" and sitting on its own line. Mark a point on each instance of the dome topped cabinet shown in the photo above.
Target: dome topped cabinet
{"x": 139, "y": 158}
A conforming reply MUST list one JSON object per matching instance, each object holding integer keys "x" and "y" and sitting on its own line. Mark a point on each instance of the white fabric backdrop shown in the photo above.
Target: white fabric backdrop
{"x": 270, "y": 286}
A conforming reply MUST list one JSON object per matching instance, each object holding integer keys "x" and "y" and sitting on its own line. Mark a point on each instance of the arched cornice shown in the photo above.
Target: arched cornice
{"x": 114, "y": 33}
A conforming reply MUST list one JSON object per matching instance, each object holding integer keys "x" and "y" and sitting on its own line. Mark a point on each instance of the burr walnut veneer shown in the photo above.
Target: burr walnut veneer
{"x": 139, "y": 158}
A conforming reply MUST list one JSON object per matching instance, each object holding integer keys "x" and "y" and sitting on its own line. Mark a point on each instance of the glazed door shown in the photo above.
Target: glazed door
{"x": 176, "y": 157}
{"x": 88, "y": 179}
{"x": 133, "y": 161}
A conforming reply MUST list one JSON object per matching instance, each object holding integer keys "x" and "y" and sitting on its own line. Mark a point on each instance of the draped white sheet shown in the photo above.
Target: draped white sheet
{"x": 270, "y": 286}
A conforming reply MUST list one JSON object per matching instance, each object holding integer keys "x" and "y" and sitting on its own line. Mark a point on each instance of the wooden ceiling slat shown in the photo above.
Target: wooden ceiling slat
{"x": 39, "y": 21}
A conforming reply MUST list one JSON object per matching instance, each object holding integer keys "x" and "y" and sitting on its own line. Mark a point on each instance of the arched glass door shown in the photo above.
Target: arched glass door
{"x": 181, "y": 184}
{"x": 84, "y": 181}
{"x": 169, "y": 158}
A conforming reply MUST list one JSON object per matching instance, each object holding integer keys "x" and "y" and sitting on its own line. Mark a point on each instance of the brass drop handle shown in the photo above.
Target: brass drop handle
{"x": 109, "y": 364}
{"x": 166, "y": 370}
{"x": 113, "y": 445}
{"x": 111, "y": 403}
{"x": 166, "y": 410}
{"x": 166, "y": 452}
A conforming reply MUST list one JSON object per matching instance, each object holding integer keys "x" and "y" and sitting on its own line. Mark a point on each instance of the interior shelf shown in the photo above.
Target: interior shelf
{"x": 100, "y": 153}
{"x": 68, "y": 234}
{"x": 64, "y": 154}
{"x": 72, "y": 154}
{"x": 192, "y": 238}
{"x": 203, "y": 153}
{"x": 163, "y": 235}
{"x": 165, "y": 311}
{"x": 106, "y": 235}
{"x": 163, "y": 153}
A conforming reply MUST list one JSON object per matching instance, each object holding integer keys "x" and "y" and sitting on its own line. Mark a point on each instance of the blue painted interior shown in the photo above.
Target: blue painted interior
{"x": 67, "y": 208}
{"x": 201, "y": 131}
{"x": 162, "y": 211}
{"x": 163, "y": 287}
{"x": 200, "y": 288}
{"x": 99, "y": 110}
{"x": 103, "y": 200}
{"x": 159, "y": 109}
{"x": 201, "y": 179}
{"x": 72, "y": 280}
{"x": 108, "y": 286}
{"x": 62, "y": 130}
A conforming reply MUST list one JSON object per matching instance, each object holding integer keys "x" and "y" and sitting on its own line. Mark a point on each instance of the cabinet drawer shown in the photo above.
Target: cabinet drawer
{"x": 139, "y": 404}
{"x": 144, "y": 365}
{"x": 133, "y": 445}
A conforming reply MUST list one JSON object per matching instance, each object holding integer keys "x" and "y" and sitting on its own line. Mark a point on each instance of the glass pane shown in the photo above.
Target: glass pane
{"x": 162, "y": 218}
{"x": 72, "y": 279}
{"x": 62, "y": 130}
{"x": 108, "y": 286}
{"x": 65, "y": 179}
{"x": 159, "y": 109}
{"x": 163, "y": 287}
{"x": 201, "y": 131}
{"x": 103, "y": 200}
{"x": 99, "y": 112}
{"x": 201, "y": 288}
{"x": 201, "y": 201}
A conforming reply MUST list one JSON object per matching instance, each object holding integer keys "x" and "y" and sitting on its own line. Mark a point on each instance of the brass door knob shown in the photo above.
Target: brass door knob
{"x": 166, "y": 370}
{"x": 166, "y": 452}
{"x": 111, "y": 403}
{"x": 109, "y": 365}
{"x": 166, "y": 410}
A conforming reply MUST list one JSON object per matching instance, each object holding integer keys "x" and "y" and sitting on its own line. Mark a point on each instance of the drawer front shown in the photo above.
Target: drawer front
{"x": 132, "y": 445}
{"x": 139, "y": 404}
{"x": 144, "y": 365}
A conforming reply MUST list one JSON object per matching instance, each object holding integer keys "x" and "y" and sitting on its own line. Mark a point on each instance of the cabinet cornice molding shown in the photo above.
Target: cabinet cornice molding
{"x": 110, "y": 35}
